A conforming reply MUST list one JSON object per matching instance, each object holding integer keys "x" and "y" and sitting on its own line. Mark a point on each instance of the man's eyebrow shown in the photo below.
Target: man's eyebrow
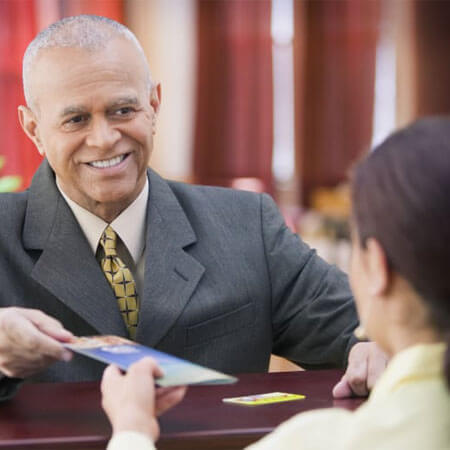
{"x": 124, "y": 101}
{"x": 70, "y": 110}
{"x": 74, "y": 109}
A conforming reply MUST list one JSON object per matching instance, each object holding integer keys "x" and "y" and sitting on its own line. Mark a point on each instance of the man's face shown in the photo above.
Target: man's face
{"x": 94, "y": 122}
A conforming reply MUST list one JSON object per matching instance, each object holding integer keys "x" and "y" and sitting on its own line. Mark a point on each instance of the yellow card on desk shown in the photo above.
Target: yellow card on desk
{"x": 264, "y": 399}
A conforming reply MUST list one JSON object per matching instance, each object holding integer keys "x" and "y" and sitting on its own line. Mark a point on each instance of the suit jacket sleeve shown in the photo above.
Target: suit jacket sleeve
{"x": 313, "y": 312}
{"x": 8, "y": 387}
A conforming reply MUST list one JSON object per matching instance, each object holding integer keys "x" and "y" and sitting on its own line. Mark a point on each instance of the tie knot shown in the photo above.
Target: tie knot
{"x": 108, "y": 241}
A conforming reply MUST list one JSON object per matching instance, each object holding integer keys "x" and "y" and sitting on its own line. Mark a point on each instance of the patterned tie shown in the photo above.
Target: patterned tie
{"x": 121, "y": 280}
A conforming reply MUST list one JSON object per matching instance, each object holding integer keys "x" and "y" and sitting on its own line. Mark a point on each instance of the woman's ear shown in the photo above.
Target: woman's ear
{"x": 377, "y": 268}
{"x": 29, "y": 124}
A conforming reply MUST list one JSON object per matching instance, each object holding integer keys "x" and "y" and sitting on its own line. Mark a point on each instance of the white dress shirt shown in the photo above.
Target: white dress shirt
{"x": 129, "y": 225}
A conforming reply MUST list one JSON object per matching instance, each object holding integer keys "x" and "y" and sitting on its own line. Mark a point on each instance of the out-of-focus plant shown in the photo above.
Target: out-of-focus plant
{"x": 8, "y": 183}
{"x": 333, "y": 205}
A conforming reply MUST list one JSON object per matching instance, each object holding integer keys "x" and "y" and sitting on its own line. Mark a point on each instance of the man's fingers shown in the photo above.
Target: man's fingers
{"x": 48, "y": 325}
{"x": 25, "y": 337}
{"x": 356, "y": 376}
{"x": 342, "y": 389}
{"x": 34, "y": 315}
{"x": 366, "y": 361}
{"x": 376, "y": 364}
{"x": 30, "y": 341}
{"x": 356, "y": 373}
{"x": 36, "y": 341}
{"x": 60, "y": 334}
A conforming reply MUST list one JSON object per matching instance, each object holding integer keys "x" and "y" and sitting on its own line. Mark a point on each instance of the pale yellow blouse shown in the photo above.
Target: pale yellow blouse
{"x": 409, "y": 409}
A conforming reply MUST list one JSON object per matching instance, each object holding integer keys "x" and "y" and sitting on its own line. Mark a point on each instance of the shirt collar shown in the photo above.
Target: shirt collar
{"x": 413, "y": 364}
{"x": 130, "y": 224}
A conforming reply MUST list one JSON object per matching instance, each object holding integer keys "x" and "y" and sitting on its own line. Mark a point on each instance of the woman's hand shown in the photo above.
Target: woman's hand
{"x": 131, "y": 401}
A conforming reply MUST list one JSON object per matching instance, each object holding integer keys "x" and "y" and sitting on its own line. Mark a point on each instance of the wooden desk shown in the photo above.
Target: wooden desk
{"x": 69, "y": 416}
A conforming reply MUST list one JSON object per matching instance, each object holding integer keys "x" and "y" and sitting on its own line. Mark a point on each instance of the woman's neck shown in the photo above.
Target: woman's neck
{"x": 401, "y": 338}
{"x": 402, "y": 318}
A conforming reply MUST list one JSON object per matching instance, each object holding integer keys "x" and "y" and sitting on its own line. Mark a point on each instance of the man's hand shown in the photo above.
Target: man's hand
{"x": 366, "y": 362}
{"x": 130, "y": 401}
{"x": 30, "y": 341}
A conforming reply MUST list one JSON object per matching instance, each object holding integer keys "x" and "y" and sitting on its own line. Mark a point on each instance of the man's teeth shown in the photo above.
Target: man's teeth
{"x": 108, "y": 162}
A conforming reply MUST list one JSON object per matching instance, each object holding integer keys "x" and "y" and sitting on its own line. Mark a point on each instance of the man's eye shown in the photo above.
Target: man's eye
{"x": 76, "y": 119}
{"x": 124, "y": 111}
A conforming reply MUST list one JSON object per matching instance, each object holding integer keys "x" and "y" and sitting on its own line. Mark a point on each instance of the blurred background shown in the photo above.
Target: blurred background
{"x": 279, "y": 96}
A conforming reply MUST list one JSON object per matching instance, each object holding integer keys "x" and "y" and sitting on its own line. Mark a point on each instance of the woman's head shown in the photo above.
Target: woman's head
{"x": 401, "y": 210}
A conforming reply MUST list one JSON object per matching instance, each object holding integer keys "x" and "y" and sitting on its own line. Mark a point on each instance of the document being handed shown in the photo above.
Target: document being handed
{"x": 123, "y": 352}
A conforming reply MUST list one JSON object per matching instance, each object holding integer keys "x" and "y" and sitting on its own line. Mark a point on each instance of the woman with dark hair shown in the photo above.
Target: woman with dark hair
{"x": 399, "y": 269}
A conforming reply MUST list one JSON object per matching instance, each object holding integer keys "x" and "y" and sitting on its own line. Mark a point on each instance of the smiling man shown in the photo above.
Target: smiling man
{"x": 91, "y": 111}
{"x": 100, "y": 244}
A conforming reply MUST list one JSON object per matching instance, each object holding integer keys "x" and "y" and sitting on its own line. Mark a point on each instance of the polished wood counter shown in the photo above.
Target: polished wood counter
{"x": 69, "y": 415}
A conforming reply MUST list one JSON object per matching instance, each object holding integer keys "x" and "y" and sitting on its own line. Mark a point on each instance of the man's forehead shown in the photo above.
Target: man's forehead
{"x": 116, "y": 49}
{"x": 63, "y": 63}
{"x": 72, "y": 71}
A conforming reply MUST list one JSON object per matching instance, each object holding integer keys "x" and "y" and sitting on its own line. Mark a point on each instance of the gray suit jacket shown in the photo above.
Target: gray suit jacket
{"x": 226, "y": 282}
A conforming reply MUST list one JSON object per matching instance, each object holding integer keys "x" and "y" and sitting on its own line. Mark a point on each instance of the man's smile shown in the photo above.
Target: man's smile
{"x": 106, "y": 163}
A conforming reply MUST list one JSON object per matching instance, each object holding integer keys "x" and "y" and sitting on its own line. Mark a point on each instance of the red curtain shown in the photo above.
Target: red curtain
{"x": 18, "y": 26}
{"x": 107, "y": 8}
{"x": 233, "y": 135}
{"x": 17, "y": 29}
{"x": 432, "y": 37}
{"x": 335, "y": 66}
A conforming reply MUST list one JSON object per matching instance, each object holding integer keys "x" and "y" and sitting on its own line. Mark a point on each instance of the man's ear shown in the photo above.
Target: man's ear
{"x": 377, "y": 267}
{"x": 155, "y": 97}
{"x": 29, "y": 124}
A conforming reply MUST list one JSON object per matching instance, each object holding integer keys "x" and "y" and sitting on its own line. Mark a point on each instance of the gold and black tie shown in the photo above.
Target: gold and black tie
{"x": 121, "y": 280}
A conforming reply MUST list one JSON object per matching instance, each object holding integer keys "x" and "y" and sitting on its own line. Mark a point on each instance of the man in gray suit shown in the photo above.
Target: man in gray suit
{"x": 220, "y": 279}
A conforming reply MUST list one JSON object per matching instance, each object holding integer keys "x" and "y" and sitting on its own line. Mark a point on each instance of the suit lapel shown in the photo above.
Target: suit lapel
{"x": 67, "y": 268}
{"x": 171, "y": 274}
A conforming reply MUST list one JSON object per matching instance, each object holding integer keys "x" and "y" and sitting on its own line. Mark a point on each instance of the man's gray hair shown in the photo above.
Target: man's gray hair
{"x": 85, "y": 31}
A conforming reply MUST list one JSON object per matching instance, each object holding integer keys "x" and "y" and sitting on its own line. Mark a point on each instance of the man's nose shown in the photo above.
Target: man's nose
{"x": 102, "y": 135}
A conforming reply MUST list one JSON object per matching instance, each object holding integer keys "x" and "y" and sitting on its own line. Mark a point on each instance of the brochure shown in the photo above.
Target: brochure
{"x": 123, "y": 352}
